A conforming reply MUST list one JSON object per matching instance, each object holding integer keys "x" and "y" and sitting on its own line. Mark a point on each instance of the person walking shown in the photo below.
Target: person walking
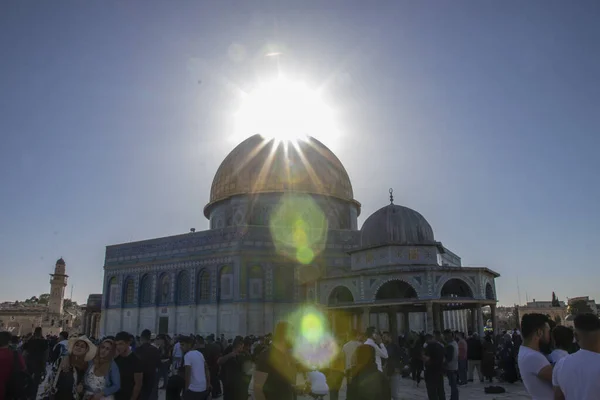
{"x": 474, "y": 354}
{"x": 36, "y": 356}
{"x": 355, "y": 340}
{"x": 275, "y": 375}
{"x": 416, "y": 359}
{"x": 463, "y": 361}
{"x": 367, "y": 382}
{"x": 433, "y": 358}
{"x": 451, "y": 357}
{"x": 197, "y": 376}
{"x": 393, "y": 366}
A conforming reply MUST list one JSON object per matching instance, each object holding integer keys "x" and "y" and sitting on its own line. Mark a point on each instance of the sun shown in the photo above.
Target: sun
{"x": 285, "y": 110}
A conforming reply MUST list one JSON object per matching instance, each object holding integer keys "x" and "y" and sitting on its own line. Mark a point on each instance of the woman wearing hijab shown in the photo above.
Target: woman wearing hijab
{"x": 102, "y": 379}
{"x": 367, "y": 381}
{"x": 63, "y": 381}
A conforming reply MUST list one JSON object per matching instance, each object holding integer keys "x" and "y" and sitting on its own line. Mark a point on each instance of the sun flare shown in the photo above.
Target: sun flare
{"x": 286, "y": 111}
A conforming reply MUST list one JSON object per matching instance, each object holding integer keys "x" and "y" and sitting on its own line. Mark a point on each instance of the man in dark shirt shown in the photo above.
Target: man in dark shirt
{"x": 130, "y": 369}
{"x": 474, "y": 355}
{"x": 213, "y": 352}
{"x": 235, "y": 384}
{"x": 151, "y": 361}
{"x": 434, "y": 368}
{"x": 36, "y": 349}
{"x": 275, "y": 374}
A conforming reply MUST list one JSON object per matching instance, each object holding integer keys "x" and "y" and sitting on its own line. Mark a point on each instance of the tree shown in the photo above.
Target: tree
{"x": 580, "y": 307}
{"x": 44, "y": 298}
{"x": 555, "y": 302}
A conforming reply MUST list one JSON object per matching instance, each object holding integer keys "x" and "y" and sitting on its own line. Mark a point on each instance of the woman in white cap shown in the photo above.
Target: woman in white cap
{"x": 63, "y": 381}
{"x": 102, "y": 379}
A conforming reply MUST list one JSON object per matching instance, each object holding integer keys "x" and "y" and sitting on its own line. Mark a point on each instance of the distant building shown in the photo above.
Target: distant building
{"x": 590, "y": 302}
{"x": 91, "y": 316}
{"x": 22, "y": 318}
{"x": 557, "y": 313}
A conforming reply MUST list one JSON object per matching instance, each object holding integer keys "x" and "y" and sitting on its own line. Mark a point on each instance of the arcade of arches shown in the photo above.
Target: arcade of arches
{"x": 397, "y": 308}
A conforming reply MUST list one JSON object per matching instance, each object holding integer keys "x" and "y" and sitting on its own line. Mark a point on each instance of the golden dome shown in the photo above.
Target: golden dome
{"x": 259, "y": 165}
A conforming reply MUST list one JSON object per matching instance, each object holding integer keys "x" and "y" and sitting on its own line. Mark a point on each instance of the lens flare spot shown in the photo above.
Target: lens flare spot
{"x": 305, "y": 255}
{"x": 314, "y": 346}
{"x": 298, "y": 228}
{"x": 312, "y": 327}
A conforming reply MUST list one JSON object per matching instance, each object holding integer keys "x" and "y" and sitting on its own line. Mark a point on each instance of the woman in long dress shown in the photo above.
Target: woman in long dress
{"x": 102, "y": 378}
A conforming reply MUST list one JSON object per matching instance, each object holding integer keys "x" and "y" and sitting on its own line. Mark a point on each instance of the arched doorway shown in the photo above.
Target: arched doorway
{"x": 339, "y": 296}
{"x": 395, "y": 290}
{"x": 456, "y": 288}
{"x": 341, "y": 320}
{"x": 489, "y": 292}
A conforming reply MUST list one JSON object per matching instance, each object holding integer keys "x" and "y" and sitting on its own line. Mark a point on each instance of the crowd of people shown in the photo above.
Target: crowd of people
{"x": 554, "y": 362}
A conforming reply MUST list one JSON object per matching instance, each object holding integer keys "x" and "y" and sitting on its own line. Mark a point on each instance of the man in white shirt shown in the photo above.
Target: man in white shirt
{"x": 318, "y": 382}
{"x": 350, "y": 348}
{"x": 197, "y": 379}
{"x": 177, "y": 356}
{"x": 563, "y": 341}
{"x": 576, "y": 377}
{"x": 374, "y": 340}
{"x": 536, "y": 370}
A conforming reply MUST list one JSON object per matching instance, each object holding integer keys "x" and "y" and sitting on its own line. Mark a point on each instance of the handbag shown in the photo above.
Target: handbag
{"x": 53, "y": 389}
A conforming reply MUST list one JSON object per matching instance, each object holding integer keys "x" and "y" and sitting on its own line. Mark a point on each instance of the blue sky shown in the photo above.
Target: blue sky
{"x": 483, "y": 116}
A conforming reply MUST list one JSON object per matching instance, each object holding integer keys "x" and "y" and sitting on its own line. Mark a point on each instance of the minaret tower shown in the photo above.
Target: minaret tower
{"x": 58, "y": 282}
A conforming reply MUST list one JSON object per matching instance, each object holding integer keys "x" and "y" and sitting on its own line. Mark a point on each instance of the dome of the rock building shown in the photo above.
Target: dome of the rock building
{"x": 395, "y": 224}
{"x": 259, "y": 165}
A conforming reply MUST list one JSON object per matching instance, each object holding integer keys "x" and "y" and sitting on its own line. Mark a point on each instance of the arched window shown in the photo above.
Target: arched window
{"x": 225, "y": 284}
{"x": 255, "y": 282}
{"x": 113, "y": 291}
{"x": 203, "y": 292}
{"x": 183, "y": 287}
{"x": 146, "y": 290}
{"x": 129, "y": 292}
{"x": 164, "y": 289}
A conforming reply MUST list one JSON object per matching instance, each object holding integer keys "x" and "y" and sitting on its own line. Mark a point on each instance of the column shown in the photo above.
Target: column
{"x": 429, "y": 328}
{"x": 479, "y": 320}
{"x": 393, "y": 323}
{"x": 406, "y": 323}
{"x": 474, "y": 319}
{"x": 92, "y": 325}
{"x": 364, "y": 320}
{"x": 332, "y": 319}
{"x": 494, "y": 320}
{"x": 437, "y": 315}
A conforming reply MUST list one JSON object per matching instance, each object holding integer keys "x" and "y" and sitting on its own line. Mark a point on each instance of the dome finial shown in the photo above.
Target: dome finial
{"x": 391, "y": 196}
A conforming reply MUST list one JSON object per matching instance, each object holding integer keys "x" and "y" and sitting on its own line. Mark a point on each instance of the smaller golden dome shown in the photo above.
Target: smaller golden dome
{"x": 260, "y": 165}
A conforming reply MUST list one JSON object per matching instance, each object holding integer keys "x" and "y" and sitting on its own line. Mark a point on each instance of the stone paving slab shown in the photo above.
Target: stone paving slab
{"x": 471, "y": 391}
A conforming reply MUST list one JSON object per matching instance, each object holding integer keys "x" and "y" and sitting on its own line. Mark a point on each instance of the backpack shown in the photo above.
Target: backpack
{"x": 19, "y": 382}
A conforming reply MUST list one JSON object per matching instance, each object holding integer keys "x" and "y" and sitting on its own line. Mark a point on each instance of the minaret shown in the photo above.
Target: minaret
{"x": 58, "y": 282}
